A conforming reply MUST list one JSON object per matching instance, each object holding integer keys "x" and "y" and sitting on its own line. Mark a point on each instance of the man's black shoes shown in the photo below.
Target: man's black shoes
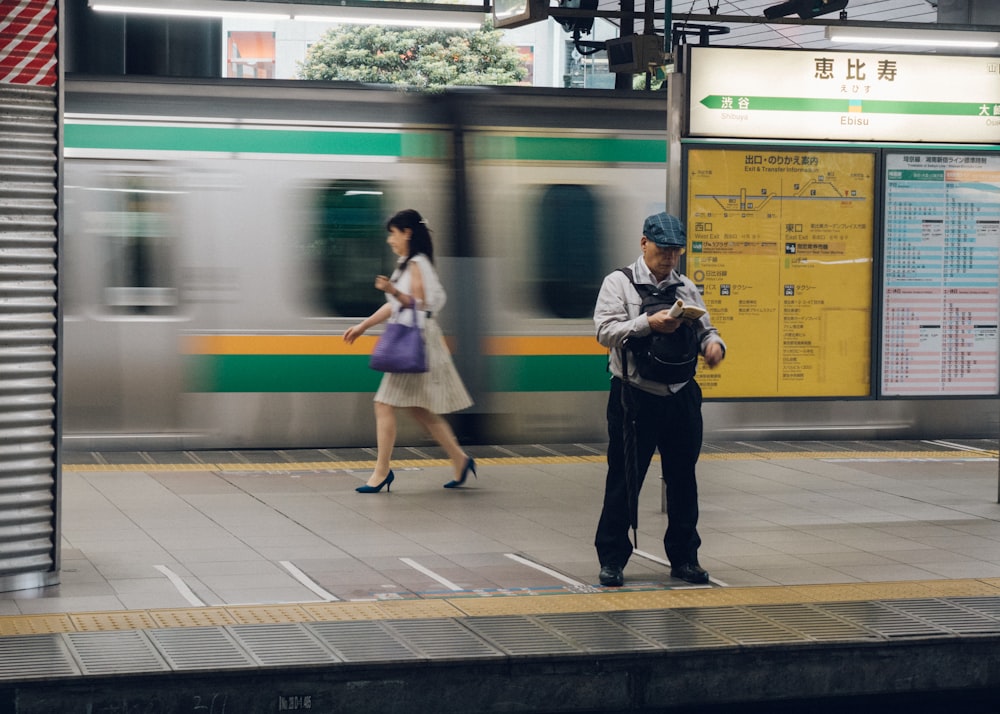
{"x": 688, "y": 572}
{"x": 611, "y": 576}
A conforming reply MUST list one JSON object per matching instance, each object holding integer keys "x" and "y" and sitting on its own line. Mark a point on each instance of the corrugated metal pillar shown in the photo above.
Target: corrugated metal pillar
{"x": 29, "y": 324}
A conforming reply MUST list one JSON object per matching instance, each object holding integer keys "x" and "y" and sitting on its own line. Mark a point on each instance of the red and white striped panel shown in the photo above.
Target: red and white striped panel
{"x": 28, "y": 42}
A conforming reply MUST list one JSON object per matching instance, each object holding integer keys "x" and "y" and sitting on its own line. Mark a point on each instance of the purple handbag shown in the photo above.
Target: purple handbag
{"x": 401, "y": 347}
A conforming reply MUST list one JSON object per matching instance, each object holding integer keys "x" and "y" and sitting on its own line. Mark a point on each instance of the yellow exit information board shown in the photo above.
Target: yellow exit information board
{"x": 780, "y": 241}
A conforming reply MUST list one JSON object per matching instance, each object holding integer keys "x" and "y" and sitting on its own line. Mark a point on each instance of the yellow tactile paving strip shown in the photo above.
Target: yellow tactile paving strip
{"x": 193, "y": 617}
{"x": 527, "y": 460}
{"x": 604, "y": 601}
{"x": 104, "y": 621}
{"x": 35, "y": 624}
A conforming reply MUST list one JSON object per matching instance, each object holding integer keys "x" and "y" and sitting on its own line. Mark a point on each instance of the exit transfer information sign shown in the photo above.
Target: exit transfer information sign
{"x": 844, "y": 96}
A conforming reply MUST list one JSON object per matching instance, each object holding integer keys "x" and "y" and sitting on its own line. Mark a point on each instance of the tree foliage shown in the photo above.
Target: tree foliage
{"x": 426, "y": 58}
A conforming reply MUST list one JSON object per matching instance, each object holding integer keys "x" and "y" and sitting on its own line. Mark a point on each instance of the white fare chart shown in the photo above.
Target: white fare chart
{"x": 941, "y": 275}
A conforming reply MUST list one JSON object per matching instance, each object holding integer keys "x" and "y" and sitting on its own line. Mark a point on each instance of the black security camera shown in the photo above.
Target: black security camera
{"x": 805, "y": 9}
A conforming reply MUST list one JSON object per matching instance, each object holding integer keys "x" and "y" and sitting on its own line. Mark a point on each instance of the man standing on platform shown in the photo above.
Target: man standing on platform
{"x": 655, "y": 403}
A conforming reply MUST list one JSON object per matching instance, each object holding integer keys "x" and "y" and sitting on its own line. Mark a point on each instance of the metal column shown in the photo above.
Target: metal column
{"x": 29, "y": 160}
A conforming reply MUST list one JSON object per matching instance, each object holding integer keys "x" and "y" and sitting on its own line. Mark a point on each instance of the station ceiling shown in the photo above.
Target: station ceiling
{"x": 743, "y": 21}
{"x": 792, "y": 32}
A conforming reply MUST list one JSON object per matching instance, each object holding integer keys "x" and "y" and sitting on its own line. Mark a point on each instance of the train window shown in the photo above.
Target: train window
{"x": 348, "y": 247}
{"x": 568, "y": 237}
{"x": 139, "y": 251}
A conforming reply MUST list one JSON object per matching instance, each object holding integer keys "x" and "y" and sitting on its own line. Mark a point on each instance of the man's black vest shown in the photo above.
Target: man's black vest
{"x": 663, "y": 357}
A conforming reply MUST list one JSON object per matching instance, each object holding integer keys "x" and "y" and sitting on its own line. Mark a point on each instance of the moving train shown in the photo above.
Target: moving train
{"x": 218, "y": 236}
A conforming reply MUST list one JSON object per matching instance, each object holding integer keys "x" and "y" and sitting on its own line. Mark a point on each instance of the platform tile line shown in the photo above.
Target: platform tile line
{"x": 342, "y": 466}
{"x": 461, "y": 638}
{"x": 983, "y": 596}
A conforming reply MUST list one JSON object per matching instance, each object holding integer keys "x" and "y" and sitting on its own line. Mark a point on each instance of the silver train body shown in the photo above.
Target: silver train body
{"x": 219, "y": 236}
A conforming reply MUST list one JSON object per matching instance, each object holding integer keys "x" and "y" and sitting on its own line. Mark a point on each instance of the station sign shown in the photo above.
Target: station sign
{"x": 843, "y": 96}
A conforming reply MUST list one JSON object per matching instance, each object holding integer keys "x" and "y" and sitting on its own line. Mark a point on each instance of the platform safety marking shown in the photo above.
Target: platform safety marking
{"x": 431, "y": 574}
{"x": 549, "y": 571}
{"x": 960, "y": 447}
{"x": 650, "y": 556}
{"x": 308, "y": 582}
{"x": 666, "y": 563}
{"x": 186, "y": 592}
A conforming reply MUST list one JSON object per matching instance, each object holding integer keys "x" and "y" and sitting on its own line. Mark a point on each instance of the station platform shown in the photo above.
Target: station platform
{"x": 861, "y": 573}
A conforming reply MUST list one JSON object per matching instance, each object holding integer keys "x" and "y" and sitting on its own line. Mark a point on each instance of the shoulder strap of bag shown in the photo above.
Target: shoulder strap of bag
{"x": 642, "y": 289}
{"x": 423, "y": 283}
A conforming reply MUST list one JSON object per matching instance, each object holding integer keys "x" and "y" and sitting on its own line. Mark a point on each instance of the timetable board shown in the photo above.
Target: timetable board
{"x": 941, "y": 275}
{"x": 780, "y": 244}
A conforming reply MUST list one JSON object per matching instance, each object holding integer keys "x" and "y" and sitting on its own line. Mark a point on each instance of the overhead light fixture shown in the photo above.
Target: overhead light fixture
{"x": 913, "y": 37}
{"x": 189, "y": 9}
{"x": 416, "y": 15}
{"x": 403, "y": 18}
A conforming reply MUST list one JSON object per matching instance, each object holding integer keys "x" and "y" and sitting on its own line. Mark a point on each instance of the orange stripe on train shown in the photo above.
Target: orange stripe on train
{"x": 335, "y": 345}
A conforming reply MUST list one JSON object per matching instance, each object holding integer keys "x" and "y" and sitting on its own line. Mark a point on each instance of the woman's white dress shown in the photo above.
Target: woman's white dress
{"x": 439, "y": 389}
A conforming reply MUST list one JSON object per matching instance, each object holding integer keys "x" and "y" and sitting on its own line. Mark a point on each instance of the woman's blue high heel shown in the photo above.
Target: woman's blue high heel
{"x": 470, "y": 465}
{"x": 375, "y": 489}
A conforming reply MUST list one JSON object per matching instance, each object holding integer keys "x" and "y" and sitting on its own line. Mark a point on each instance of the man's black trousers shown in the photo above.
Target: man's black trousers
{"x": 673, "y": 425}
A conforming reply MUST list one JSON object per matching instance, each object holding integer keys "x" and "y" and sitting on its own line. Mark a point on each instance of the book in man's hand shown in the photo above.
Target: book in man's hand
{"x": 688, "y": 312}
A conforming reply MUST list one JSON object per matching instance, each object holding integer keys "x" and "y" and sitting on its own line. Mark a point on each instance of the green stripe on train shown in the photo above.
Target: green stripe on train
{"x": 253, "y": 141}
{"x": 550, "y": 148}
{"x": 350, "y": 373}
{"x": 549, "y": 373}
{"x": 281, "y": 373}
{"x": 411, "y": 145}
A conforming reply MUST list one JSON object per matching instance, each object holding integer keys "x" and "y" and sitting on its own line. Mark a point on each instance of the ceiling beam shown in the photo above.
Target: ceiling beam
{"x": 825, "y": 22}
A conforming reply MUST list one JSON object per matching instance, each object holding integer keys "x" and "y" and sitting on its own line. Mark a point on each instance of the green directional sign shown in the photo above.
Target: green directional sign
{"x": 867, "y": 106}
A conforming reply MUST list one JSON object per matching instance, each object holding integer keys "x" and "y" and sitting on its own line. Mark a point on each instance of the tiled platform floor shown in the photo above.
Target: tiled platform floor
{"x": 224, "y": 528}
{"x": 845, "y": 575}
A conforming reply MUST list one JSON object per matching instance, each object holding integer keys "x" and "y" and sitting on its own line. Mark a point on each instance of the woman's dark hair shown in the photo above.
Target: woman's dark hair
{"x": 420, "y": 240}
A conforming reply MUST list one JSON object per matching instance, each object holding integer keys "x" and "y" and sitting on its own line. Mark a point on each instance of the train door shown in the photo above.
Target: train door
{"x": 122, "y": 306}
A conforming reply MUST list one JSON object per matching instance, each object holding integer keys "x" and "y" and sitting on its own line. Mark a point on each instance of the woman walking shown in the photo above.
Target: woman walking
{"x": 426, "y": 395}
